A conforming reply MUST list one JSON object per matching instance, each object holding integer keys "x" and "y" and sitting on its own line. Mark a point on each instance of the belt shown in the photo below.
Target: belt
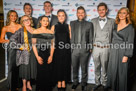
{"x": 100, "y": 46}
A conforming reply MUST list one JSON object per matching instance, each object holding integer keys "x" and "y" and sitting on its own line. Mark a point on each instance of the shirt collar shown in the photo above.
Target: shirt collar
{"x": 49, "y": 15}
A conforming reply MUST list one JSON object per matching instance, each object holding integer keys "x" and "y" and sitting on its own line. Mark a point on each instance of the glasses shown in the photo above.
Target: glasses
{"x": 25, "y": 20}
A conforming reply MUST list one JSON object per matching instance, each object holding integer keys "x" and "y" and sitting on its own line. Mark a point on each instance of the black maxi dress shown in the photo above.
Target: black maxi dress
{"x": 44, "y": 71}
{"x": 13, "y": 70}
{"x": 117, "y": 71}
{"x": 62, "y": 53}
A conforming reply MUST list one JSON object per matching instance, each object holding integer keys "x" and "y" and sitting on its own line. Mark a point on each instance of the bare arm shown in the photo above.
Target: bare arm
{"x": 53, "y": 28}
{"x": 70, "y": 31}
{"x": 51, "y": 52}
{"x": 2, "y": 37}
{"x": 39, "y": 59}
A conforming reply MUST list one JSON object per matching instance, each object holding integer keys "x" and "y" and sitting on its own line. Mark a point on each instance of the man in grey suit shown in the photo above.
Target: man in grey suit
{"x": 48, "y": 7}
{"x": 103, "y": 27}
{"x": 82, "y": 37}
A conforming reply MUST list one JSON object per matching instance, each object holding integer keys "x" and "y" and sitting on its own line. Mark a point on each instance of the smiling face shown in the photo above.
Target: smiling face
{"x": 44, "y": 22}
{"x": 47, "y": 7}
{"x": 26, "y": 21}
{"x": 28, "y": 10}
{"x": 61, "y": 17}
{"x": 102, "y": 11}
{"x": 13, "y": 17}
{"x": 123, "y": 14}
{"x": 81, "y": 14}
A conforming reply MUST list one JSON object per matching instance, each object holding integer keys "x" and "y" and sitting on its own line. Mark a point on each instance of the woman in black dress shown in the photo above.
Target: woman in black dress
{"x": 62, "y": 52}
{"x": 23, "y": 60}
{"x": 121, "y": 51}
{"x": 11, "y": 27}
{"x": 43, "y": 50}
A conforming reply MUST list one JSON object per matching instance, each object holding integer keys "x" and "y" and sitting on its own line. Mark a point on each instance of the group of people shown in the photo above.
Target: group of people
{"x": 40, "y": 49}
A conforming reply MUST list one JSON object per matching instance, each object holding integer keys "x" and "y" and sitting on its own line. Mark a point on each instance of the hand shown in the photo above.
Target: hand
{"x": 49, "y": 59}
{"x": 124, "y": 59}
{"x": 40, "y": 60}
{"x": 90, "y": 50}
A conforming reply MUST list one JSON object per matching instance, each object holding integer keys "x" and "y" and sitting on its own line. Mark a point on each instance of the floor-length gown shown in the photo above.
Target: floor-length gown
{"x": 13, "y": 77}
{"x": 117, "y": 71}
{"x": 44, "y": 71}
{"x": 62, "y": 53}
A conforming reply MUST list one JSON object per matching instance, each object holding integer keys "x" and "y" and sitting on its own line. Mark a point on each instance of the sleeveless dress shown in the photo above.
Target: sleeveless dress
{"x": 62, "y": 55}
{"x": 44, "y": 71}
{"x": 13, "y": 71}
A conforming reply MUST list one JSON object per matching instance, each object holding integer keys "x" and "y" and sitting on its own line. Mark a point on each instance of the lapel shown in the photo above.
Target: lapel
{"x": 96, "y": 23}
{"x": 51, "y": 20}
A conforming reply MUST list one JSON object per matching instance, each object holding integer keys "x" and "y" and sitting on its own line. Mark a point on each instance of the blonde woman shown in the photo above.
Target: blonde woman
{"x": 24, "y": 52}
{"x": 120, "y": 54}
{"x": 11, "y": 27}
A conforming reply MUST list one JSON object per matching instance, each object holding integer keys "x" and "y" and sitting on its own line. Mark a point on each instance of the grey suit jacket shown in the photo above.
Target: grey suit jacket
{"x": 109, "y": 25}
{"x": 54, "y": 20}
{"x": 86, "y": 33}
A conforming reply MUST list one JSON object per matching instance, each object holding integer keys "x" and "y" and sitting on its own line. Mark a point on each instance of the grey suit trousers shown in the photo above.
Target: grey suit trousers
{"x": 80, "y": 58}
{"x": 100, "y": 57}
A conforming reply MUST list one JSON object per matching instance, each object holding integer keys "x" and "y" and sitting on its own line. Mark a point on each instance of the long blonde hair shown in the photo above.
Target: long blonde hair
{"x": 8, "y": 19}
{"x": 128, "y": 20}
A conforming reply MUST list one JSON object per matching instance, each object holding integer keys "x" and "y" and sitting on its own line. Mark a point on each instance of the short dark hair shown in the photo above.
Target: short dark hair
{"x": 81, "y": 7}
{"x": 27, "y": 4}
{"x": 102, "y": 4}
{"x": 49, "y": 3}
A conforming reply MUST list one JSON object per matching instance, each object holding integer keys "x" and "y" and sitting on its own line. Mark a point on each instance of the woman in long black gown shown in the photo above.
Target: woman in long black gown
{"x": 121, "y": 51}
{"x": 62, "y": 52}
{"x": 11, "y": 27}
{"x": 43, "y": 38}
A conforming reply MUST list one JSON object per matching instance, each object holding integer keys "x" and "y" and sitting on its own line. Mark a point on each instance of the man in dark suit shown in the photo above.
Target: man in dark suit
{"x": 28, "y": 10}
{"x": 82, "y": 37}
{"x": 48, "y": 7}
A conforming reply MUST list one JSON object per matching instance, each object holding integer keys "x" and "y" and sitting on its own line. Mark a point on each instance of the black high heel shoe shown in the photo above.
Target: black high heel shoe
{"x": 59, "y": 89}
{"x": 63, "y": 89}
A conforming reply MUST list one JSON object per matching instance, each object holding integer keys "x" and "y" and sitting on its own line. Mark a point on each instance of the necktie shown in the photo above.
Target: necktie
{"x": 79, "y": 33}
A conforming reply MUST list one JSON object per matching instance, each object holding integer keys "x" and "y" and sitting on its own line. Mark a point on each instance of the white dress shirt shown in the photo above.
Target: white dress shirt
{"x": 102, "y": 23}
{"x": 49, "y": 17}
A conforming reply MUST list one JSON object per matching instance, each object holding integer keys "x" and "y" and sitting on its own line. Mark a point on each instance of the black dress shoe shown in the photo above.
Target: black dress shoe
{"x": 84, "y": 88}
{"x": 95, "y": 87}
{"x": 105, "y": 88}
{"x": 74, "y": 86}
